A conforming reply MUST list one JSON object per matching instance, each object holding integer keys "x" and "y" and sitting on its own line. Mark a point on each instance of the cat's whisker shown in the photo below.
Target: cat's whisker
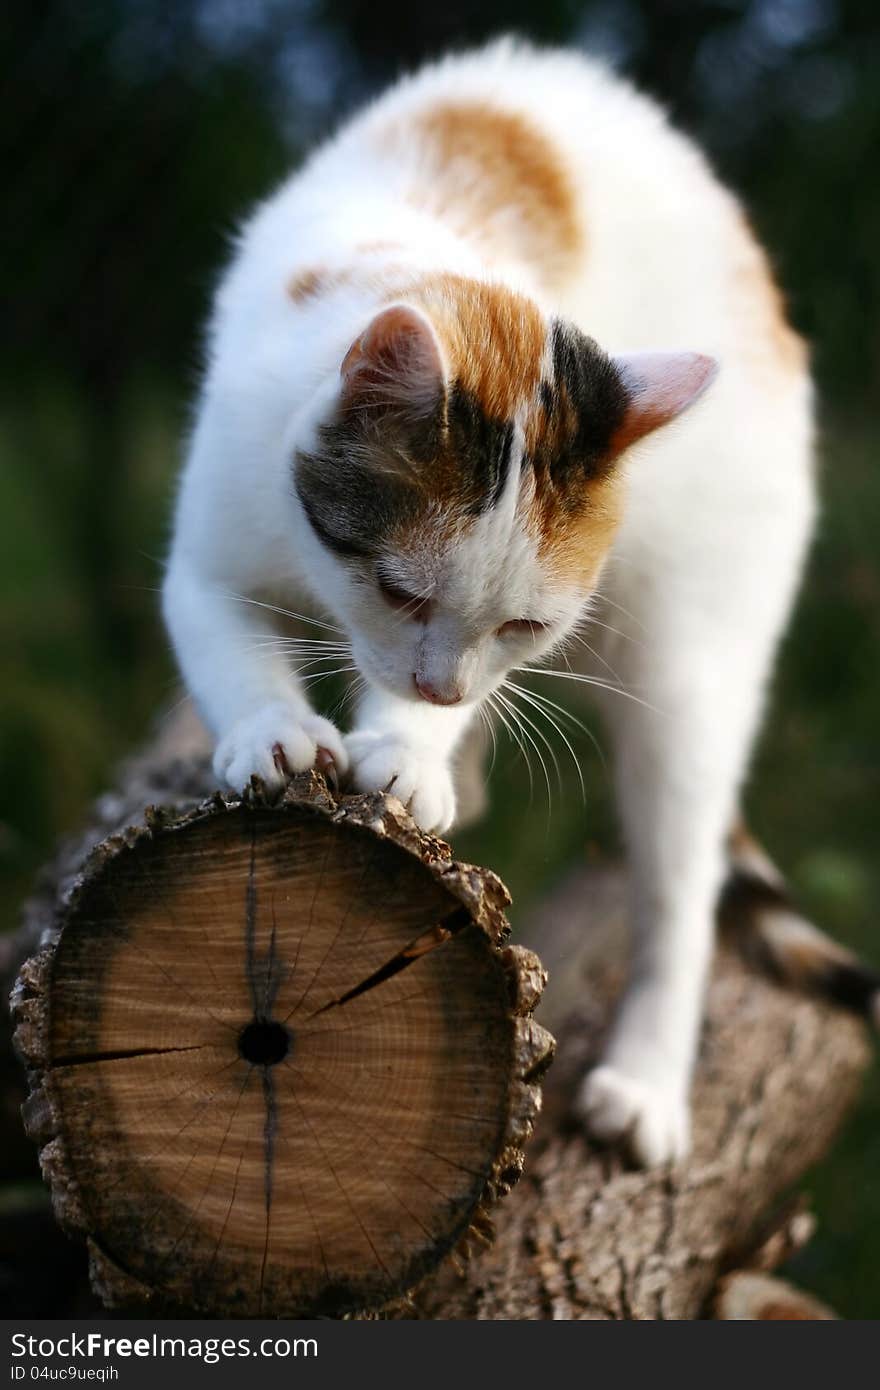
{"x": 488, "y": 725}
{"x": 346, "y": 666}
{"x": 286, "y": 648}
{"x": 546, "y": 700}
{"x": 563, "y": 652}
{"x": 284, "y": 612}
{"x": 539, "y": 702}
{"x": 298, "y": 657}
{"x": 352, "y": 689}
{"x": 317, "y": 655}
{"x": 524, "y": 724}
{"x": 556, "y": 729}
{"x": 618, "y": 632}
{"x": 547, "y": 706}
{"x": 589, "y": 680}
{"x": 324, "y": 675}
{"x": 281, "y": 639}
{"x": 558, "y": 711}
{"x": 605, "y": 598}
{"x": 167, "y": 715}
{"x": 309, "y": 666}
{"x": 578, "y": 637}
{"x": 549, "y": 710}
{"x": 514, "y": 735}
{"x": 297, "y": 650}
{"x": 527, "y": 720}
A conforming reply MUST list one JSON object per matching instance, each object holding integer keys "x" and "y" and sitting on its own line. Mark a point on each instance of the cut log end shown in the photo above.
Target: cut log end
{"x": 280, "y": 1057}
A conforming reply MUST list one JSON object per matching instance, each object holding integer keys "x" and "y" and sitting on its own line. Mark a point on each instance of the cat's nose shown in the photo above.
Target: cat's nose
{"x": 437, "y": 695}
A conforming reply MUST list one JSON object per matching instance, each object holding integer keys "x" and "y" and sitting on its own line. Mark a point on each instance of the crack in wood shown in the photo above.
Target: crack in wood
{"x": 420, "y": 946}
{"x": 250, "y": 925}
{"x": 266, "y": 968}
{"x": 79, "y": 1059}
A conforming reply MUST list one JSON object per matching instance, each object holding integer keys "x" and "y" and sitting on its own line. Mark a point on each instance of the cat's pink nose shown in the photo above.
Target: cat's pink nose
{"x": 448, "y": 695}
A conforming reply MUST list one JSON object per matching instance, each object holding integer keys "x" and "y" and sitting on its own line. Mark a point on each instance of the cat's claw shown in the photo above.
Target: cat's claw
{"x": 382, "y": 762}
{"x": 649, "y": 1118}
{"x": 273, "y": 743}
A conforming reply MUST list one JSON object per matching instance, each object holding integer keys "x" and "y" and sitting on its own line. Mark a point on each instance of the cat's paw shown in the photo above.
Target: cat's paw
{"x": 383, "y": 762}
{"x": 650, "y": 1118}
{"x": 272, "y": 743}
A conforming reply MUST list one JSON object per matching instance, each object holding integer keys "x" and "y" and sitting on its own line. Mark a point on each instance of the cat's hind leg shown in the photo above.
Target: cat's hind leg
{"x": 677, "y": 776}
{"x": 693, "y": 673}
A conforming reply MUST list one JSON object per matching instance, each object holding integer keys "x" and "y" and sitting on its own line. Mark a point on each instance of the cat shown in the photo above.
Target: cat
{"x": 504, "y": 355}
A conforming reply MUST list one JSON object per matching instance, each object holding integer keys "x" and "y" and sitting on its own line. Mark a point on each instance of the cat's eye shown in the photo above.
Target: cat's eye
{"x": 410, "y": 604}
{"x": 521, "y": 627}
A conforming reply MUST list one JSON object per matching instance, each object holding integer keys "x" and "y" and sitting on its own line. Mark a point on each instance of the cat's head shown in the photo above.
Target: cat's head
{"x": 463, "y": 481}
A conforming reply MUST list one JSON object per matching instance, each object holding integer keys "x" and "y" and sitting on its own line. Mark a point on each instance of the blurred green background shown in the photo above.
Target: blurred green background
{"x": 136, "y": 132}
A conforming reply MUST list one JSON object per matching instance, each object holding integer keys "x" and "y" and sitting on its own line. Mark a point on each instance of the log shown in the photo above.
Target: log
{"x": 581, "y": 1235}
{"x": 281, "y": 1060}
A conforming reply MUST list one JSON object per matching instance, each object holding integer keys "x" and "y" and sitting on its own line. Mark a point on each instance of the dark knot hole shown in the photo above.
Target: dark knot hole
{"x": 264, "y": 1043}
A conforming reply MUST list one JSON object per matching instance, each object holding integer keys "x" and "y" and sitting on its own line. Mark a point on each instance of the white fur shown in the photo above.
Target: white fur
{"x": 701, "y": 578}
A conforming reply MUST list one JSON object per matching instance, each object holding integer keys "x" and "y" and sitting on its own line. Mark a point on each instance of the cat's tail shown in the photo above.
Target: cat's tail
{"x": 757, "y": 913}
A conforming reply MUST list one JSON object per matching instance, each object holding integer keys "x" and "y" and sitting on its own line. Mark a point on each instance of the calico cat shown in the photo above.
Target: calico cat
{"x": 502, "y": 357}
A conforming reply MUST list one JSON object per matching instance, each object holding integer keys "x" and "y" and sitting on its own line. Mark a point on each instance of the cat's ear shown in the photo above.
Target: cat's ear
{"x": 396, "y": 362}
{"x": 659, "y": 386}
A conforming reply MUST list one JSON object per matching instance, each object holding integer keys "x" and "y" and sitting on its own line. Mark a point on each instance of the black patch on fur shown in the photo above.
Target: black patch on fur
{"x": 351, "y": 505}
{"x": 854, "y": 986}
{"x": 374, "y": 472}
{"x": 346, "y": 546}
{"x": 585, "y": 405}
{"x": 503, "y": 466}
{"x": 746, "y": 895}
{"x": 745, "y": 898}
{"x": 481, "y": 449}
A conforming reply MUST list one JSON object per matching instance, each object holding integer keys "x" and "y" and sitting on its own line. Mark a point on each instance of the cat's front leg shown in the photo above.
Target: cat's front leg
{"x": 406, "y": 748}
{"x": 248, "y": 696}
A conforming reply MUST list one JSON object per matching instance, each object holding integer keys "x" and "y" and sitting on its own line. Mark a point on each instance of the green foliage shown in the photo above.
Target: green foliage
{"x": 134, "y": 136}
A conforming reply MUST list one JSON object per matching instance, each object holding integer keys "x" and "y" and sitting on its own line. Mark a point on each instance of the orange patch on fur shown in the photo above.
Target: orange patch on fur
{"x": 575, "y": 543}
{"x": 495, "y": 177}
{"x": 311, "y": 283}
{"x": 494, "y": 338}
{"x": 761, "y": 305}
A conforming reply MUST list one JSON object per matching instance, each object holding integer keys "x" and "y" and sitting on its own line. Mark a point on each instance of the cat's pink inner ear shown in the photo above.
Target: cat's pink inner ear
{"x": 396, "y": 361}
{"x": 660, "y": 386}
